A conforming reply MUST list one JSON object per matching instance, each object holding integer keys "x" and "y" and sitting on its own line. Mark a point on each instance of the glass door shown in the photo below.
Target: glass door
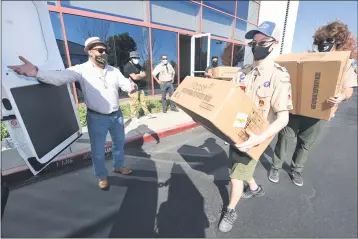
{"x": 200, "y": 54}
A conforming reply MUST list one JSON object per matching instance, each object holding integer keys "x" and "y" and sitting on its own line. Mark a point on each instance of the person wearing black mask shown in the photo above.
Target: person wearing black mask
{"x": 100, "y": 83}
{"x": 214, "y": 63}
{"x": 134, "y": 71}
{"x": 305, "y": 130}
{"x": 268, "y": 85}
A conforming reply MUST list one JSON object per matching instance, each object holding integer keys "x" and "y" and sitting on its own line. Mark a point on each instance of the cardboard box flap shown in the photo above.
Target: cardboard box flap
{"x": 203, "y": 94}
{"x": 336, "y": 56}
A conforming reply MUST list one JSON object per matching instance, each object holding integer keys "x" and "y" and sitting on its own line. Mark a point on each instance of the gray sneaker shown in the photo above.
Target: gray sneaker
{"x": 297, "y": 178}
{"x": 248, "y": 193}
{"x": 228, "y": 220}
{"x": 274, "y": 175}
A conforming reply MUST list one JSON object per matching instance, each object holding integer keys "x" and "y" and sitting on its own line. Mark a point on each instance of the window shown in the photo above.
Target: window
{"x": 239, "y": 56}
{"x": 165, "y": 43}
{"x": 225, "y": 6}
{"x": 223, "y": 50}
{"x": 53, "y": 3}
{"x": 217, "y": 23}
{"x": 242, "y": 9}
{"x": 136, "y": 10}
{"x": 240, "y": 30}
{"x": 57, "y": 29}
{"x": 179, "y": 14}
{"x": 253, "y": 12}
{"x": 121, "y": 39}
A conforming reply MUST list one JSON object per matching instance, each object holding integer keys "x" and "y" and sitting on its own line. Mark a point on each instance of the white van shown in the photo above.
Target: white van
{"x": 41, "y": 119}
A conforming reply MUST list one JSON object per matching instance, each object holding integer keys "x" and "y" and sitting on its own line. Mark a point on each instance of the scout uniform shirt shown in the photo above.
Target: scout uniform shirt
{"x": 166, "y": 72}
{"x": 268, "y": 85}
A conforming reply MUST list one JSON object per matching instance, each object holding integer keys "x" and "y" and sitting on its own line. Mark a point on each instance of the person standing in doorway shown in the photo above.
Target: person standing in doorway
{"x": 305, "y": 130}
{"x": 134, "y": 71}
{"x": 268, "y": 85}
{"x": 214, "y": 63}
{"x": 165, "y": 79}
{"x": 100, "y": 83}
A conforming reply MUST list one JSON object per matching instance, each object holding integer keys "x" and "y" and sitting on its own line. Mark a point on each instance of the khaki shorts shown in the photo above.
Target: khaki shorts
{"x": 243, "y": 166}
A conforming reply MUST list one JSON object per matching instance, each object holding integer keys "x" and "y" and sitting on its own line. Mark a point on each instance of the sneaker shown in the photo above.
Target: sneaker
{"x": 274, "y": 175}
{"x": 248, "y": 193}
{"x": 150, "y": 116}
{"x": 297, "y": 178}
{"x": 228, "y": 220}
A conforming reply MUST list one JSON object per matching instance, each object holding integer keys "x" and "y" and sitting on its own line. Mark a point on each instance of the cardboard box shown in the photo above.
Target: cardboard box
{"x": 225, "y": 72}
{"x": 223, "y": 109}
{"x": 315, "y": 77}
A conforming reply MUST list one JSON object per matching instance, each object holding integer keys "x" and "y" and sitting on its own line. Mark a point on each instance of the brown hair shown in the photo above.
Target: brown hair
{"x": 336, "y": 30}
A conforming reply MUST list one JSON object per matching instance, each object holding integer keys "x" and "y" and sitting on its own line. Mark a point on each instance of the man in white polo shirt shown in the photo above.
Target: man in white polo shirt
{"x": 100, "y": 83}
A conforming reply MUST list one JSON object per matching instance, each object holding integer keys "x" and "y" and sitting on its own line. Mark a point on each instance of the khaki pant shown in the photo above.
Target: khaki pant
{"x": 300, "y": 133}
{"x": 137, "y": 100}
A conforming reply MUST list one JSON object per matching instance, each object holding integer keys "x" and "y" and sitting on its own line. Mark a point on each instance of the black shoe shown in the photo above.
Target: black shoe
{"x": 175, "y": 110}
{"x": 297, "y": 178}
{"x": 228, "y": 220}
{"x": 274, "y": 175}
{"x": 248, "y": 193}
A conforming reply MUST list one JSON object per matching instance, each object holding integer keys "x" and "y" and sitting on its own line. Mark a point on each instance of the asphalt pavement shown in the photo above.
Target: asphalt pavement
{"x": 180, "y": 184}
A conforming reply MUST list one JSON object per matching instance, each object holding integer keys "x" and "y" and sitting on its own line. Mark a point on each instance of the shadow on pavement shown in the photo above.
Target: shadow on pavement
{"x": 137, "y": 147}
{"x": 136, "y": 217}
{"x": 213, "y": 161}
{"x": 183, "y": 214}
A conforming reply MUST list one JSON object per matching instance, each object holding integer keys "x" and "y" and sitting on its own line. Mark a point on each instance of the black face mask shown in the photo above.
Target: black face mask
{"x": 260, "y": 52}
{"x": 325, "y": 47}
{"x": 102, "y": 59}
{"x": 214, "y": 63}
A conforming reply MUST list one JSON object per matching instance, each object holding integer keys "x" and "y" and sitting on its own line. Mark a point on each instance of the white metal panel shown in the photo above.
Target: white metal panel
{"x": 29, "y": 33}
{"x": 275, "y": 11}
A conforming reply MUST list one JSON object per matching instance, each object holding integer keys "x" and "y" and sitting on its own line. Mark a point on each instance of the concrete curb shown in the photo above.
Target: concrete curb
{"x": 83, "y": 157}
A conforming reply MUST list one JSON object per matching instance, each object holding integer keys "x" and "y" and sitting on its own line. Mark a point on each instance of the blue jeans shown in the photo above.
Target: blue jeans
{"x": 167, "y": 87}
{"x": 98, "y": 127}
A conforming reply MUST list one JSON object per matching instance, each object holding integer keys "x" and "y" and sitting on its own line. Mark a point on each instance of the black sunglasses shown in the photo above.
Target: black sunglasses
{"x": 101, "y": 50}
{"x": 328, "y": 40}
{"x": 164, "y": 58}
{"x": 260, "y": 43}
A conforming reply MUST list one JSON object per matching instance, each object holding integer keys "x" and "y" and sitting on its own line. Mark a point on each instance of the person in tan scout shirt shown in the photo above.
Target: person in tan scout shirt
{"x": 305, "y": 130}
{"x": 268, "y": 85}
{"x": 165, "y": 73}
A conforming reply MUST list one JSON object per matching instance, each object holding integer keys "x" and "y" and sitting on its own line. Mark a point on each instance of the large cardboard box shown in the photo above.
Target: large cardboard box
{"x": 223, "y": 109}
{"x": 314, "y": 78}
{"x": 225, "y": 72}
